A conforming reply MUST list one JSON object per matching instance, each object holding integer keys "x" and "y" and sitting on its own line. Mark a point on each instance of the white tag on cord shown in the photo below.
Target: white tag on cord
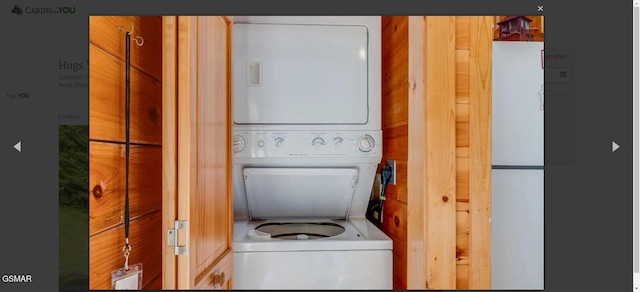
{"x": 131, "y": 279}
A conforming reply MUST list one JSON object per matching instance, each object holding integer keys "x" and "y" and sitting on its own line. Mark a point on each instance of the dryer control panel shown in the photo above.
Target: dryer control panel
{"x": 307, "y": 144}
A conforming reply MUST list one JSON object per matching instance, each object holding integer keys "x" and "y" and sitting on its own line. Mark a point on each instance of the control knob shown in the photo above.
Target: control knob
{"x": 238, "y": 144}
{"x": 337, "y": 141}
{"x": 366, "y": 143}
{"x": 317, "y": 141}
{"x": 278, "y": 141}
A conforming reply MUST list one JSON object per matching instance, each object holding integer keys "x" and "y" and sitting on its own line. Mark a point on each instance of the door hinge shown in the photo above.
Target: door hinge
{"x": 172, "y": 236}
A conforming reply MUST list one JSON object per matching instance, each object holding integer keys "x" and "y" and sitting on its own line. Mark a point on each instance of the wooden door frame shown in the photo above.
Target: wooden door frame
{"x": 169, "y": 145}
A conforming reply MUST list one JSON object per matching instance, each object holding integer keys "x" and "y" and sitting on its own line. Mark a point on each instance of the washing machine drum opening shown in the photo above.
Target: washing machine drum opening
{"x": 297, "y": 231}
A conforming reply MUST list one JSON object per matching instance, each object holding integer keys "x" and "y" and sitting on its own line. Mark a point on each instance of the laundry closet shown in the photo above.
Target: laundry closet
{"x": 431, "y": 118}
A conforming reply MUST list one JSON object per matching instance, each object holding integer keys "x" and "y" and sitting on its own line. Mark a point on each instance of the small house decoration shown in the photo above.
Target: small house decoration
{"x": 515, "y": 28}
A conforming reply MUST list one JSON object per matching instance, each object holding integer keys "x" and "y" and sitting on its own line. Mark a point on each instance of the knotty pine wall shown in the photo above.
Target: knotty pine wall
{"x": 436, "y": 92}
{"x": 395, "y": 111}
{"x": 107, "y": 149}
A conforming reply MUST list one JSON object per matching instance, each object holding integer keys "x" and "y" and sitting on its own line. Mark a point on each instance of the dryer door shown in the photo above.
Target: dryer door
{"x": 300, "y": 74}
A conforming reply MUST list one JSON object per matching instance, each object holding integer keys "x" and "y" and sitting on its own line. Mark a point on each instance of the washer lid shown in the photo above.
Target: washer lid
{"x": 299, "y": 192}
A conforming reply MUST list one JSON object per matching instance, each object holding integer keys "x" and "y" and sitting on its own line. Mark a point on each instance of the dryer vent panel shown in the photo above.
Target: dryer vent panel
{"x": 253, "y": 73}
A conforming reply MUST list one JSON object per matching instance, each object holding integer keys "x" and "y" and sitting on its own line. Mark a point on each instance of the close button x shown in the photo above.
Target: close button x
{"x": 540, "y": 8}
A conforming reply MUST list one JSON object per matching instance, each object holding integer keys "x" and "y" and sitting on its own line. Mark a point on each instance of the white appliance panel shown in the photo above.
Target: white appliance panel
{"x": 357, "y": 208}
{"x": 300, "y": 192}
{"x": 300, "y": 74}
{"x": 517, "y": 230}
{"x": 305, "y": 146}
{"x": 317, "y": 270}
{"x": 518, "y": 103}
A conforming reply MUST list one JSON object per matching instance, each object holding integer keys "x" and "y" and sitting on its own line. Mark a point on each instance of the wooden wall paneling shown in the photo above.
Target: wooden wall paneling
{"x": 463, "y": 26}
{"x": 462, "y": 282}
{"x": 107, "y": 183}
{"x": 462, "y": 71}
{"x": 107, "y": 104}
{"x": 441, "y": 152}
{"x": 154, "y": 284}
{"x": 395, "y": 225}
{"x": 104, "y": 33}
{"x": 395, "y": 219}
{"x": 398, "y": 191}
{"x": 462, "y": 134}
{"x": 105, "y": 251}
{"x": 399, "y": 266}
{"x": 462, "y": 246}
{"x": 462, "y": 111}
{"x": 396, "y": 142}
{"x": 107, "y": 131}
{"x": 462, "y": 235}
{"x": 439, "y": 132}
{"x": 462, "y": 32}
{"x": 462, "y": 179}
{"x": 394, "y": 124}
{"x": 416, "y": 164}
{"x": 395, "y": 72}
{"x": 480, "y": 153}
{"x": 169, "y": 145}
{"x": 462, "y": 151}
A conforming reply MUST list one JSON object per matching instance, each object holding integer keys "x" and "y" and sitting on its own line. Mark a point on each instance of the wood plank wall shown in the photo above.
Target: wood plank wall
{"x": 395, "y": 111}
{"x": 107, "y": 149}
{"x": 451, "y": 182}
{"x": 473, "y": 151}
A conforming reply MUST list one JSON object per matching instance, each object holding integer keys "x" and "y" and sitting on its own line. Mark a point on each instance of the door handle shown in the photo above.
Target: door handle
{"x": 218, "y": 279}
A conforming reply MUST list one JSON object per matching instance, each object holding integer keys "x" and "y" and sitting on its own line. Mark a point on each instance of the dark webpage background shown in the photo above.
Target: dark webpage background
{"x": 588, "y": 189}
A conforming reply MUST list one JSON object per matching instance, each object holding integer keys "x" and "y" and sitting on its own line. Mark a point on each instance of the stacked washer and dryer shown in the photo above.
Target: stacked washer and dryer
{"x": 307, "y": 143}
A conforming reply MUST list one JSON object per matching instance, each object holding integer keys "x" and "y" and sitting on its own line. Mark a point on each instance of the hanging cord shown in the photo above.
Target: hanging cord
{"x": 127, "y": 247}
{"x": 384, "y": 176}
{"x": 139, "y": 41}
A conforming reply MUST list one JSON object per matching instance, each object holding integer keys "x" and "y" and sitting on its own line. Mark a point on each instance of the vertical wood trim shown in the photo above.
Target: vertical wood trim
{"x": 416, "y": 163}
{"x": 440, "y": 204}
{"x": 480, "y": 153}
{"x": 229, "y": 23}
{"x": 169, "y": 146}
{"x": 187, "y": 91}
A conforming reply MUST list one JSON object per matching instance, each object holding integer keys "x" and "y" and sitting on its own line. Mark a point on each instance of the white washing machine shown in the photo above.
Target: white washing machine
{"x": 307, "y": 143}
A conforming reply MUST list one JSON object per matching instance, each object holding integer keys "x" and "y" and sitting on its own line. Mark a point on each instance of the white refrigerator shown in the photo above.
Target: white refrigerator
{"x": 517, "y": 219}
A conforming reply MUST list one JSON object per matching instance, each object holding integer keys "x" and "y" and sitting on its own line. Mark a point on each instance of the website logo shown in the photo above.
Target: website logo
{"x": 16, "y": 10}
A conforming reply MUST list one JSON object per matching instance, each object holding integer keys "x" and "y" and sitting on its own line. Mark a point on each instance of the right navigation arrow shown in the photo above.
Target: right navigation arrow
{"x": 614, "y": 146}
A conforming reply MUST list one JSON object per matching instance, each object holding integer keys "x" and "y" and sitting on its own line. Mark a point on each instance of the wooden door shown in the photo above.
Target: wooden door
{"x": 197, "y": 157}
